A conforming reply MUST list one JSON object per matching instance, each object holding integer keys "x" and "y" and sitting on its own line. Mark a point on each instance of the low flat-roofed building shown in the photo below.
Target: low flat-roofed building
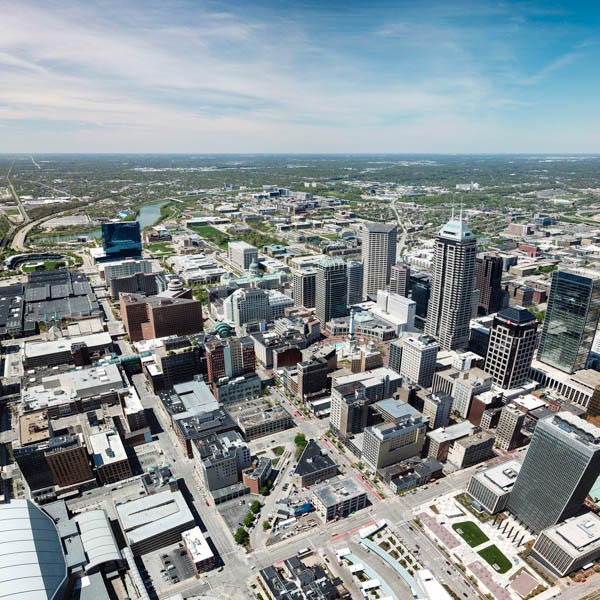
{"x": 33, "y": 427}
{"x": 155, "y": 521}
{"x": 74, "y": 391}
{"x": 258, "y": 475}
{"x": 570, "y": 545}
{"x": 490, "y": 487}
{"x": 432, "y": 588}
{"x": 578, "y": 387}
{"x": 265, "y": 423}
{"x": 237, "y": 389}
{"x": 56, "y": 352}
{"x": 314, "y": 465}
{"x": 198, "y": 550}
{"x": 338, "y": 498}
{"x": 109, "y": 457}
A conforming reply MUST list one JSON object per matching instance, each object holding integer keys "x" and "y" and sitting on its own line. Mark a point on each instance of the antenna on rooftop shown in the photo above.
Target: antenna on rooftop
{"x": 461, "y": 210}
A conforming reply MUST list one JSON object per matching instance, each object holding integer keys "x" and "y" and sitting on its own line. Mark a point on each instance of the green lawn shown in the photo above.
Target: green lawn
{"x": 469, "y": 532}
{"x": 278, "y": 450}
{"x": 160, "y": 247}
{"x": 493, "y": 556}
{"x": 210, "y": 233}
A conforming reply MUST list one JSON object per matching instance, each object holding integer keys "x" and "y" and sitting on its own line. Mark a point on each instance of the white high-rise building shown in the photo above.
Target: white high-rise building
{"x": 419, "y": 355}
{"x": 247, "y": 305}
{"x": 378, "y": 255}
{"x": 242, "y": 255}
{"x": 453, "y": 278}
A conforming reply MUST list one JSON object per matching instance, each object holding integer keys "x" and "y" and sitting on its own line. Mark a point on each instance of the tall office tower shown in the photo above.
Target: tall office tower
{"x": 449, "y": 311}
{"x": 247, "y": 305}
{"x": 488, "y": 276}
{"x": 355, "y": 281}
{"x": 510, "y": 349}
{"x": 437, "y": 408}
{"x": 400, "y": 279}
{"x": 395, "y": 360}
{"x": 418, "y": 359}
{"x": 331, "y": 297}
{"x": 378, "y": 255}
{"x": 121, "y": 240}
{"x": 242, "y": 255}
{"x": 230, "y": 357}
{"x": 560, "y": 467}
{"x": 509, "y": 427}
{"x": 571, "y": 319}
{"x": 304, "y": 288}
{"x": 420, "y": 292}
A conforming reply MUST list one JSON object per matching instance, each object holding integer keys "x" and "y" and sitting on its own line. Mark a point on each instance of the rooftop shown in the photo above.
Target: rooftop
{"x": 144, "y": 517}
{"x": 314, "y": 459}
{"x": 335, "y": 491}
{"x": 578, "y": 535}
{"x": 197, "y": 545}
{"x": 454, "y": 432}
{"x": 516, "y": 314}
{"x": 106, "y": 447}
{"x": 501, "y": 477}
{"x": 456, "y": 230}
{"x": 32, "y": 560}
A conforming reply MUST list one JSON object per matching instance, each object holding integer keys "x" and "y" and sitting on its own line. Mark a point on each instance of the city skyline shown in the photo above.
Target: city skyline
{"x": 226, "y": 77}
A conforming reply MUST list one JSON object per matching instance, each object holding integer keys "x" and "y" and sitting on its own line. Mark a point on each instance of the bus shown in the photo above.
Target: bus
{"x": 304, "y": 552}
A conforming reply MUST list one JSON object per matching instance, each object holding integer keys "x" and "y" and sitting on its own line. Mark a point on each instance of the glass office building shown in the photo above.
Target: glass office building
{"x": 122, "y": 240}
{"x": 560, "y": 467}
{"x": 571, "y": 320}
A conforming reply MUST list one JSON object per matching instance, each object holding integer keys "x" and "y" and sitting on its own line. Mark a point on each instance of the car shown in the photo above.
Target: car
{"x": 417, "y": 546}
{"x": 207, "y": 504}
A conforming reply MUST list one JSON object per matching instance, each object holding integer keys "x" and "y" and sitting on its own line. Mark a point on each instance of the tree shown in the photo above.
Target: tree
{"x": 266, "y": 525}
{"x": 255, "y": 507}
{"x": 241, "y": 536}
{"x": 264, "y": 491}
{"x": 248, "y": 519}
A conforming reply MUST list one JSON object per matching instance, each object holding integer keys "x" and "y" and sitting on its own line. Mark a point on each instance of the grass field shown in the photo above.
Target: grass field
{"x": 493, "y": 556}
{"x": 211, "y": 234}
{"x": 160, "y": 247}
{"x": 469, "y": 532}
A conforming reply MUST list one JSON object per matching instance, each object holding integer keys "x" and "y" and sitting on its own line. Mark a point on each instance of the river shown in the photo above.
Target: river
{"x": 147, "y": 215}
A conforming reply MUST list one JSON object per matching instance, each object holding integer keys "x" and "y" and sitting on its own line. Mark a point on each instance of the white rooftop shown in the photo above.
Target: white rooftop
{"x": 144, "y": 517}
{"x": 197, "y": 545}
{"x": 454, "y": 432}
{"x": 579, "y": 534}
{"x": 93, "y": 340}
{"x": 500, "y": 478}
{"x": 107, "y": 448}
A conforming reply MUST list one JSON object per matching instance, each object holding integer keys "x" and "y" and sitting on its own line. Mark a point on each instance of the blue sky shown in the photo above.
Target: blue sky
{"x": 294, "y": 76}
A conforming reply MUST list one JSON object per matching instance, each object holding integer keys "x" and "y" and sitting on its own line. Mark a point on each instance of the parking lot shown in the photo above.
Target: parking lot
{"x": 168, "y": 566}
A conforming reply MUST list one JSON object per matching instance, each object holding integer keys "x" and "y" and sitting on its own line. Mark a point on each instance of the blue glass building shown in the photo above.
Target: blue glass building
{"x": 122, "y": 240}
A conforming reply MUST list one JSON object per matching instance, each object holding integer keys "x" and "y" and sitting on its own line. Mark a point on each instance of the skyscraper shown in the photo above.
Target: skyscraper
{"x": 418, "y": 359}
{"x": 560, "y": 467}
{"x": 121, "y": 240}
{"x": 488, "y": 275}
{"x": 449, "y": 310}
{"x": 378, "y": 255}
{"x": 400, "y": 279}
{"x": 571, "y": 319}
{"x": 304, "y": 288}
{"x": 511, "y": 346}
{"x": 355, "y": 281}
{"x": 332, "y": 289}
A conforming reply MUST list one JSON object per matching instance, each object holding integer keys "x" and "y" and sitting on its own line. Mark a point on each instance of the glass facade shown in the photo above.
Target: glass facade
{"x": 122, "y": 240}
{"x": 560, "y": 467}
{"x": 571, "y": 321}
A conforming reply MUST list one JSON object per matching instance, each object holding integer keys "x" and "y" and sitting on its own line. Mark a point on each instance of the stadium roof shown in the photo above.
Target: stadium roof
{"x": 32, "y": 562}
